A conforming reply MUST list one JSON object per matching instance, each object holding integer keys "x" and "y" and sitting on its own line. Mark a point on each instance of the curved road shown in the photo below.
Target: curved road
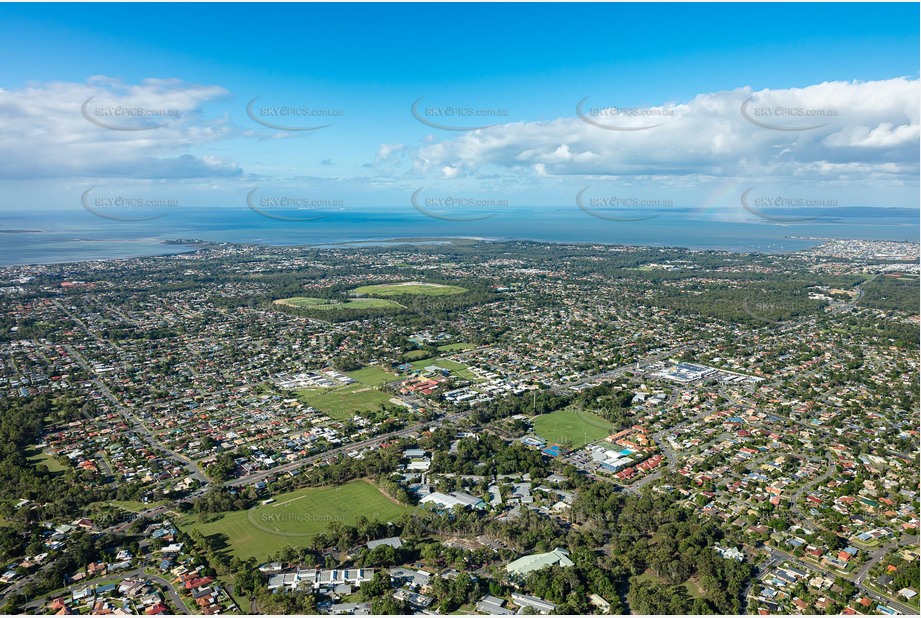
{"x": 171, "y": 593}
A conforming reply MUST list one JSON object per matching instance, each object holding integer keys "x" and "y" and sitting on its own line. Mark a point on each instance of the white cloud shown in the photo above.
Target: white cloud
{"x": 60, "y": 130}
{"x": 867, "y": 128}
{"x": 870, "y": 141}
{"x": 885, "y": 135}
{"x": 389, "y": 153}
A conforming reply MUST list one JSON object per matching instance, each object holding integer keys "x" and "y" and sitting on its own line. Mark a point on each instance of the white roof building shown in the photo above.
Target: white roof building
{"x": 524, "y": 600}
{"x": 533, "y": 562}
{"x": 394, "y": 542}
{"x": 455, "y": 498}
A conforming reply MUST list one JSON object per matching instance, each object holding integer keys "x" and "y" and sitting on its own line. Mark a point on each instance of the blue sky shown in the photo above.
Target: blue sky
{"x": 693, "y": 63}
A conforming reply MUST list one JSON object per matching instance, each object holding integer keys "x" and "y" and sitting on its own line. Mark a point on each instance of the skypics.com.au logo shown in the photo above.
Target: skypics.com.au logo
{"x": 296, "y": 117}
{"x": 126, "y": 117}
{"x": 613, "y": 118}
{"x": 289, "y": 206}
{"x": 124, "y": 206}
{"x": 455, "y": 207}
{"x": 455, "y": 117}
{"x": 761, "y": 206}
{"x": 784, "y": 117}
{"x": 613, "y": 207}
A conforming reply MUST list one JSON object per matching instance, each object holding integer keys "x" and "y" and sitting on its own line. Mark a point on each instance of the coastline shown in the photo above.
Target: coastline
{"x": 62, "y": 238}
{"x": 183, "y": 246}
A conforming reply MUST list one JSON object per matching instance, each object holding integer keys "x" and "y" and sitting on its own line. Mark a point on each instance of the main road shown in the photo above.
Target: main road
{"x": 447, "y": 420}
{"x": 346, "y": 448}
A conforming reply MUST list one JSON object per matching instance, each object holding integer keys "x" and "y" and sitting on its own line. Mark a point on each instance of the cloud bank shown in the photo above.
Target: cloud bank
{"x": 833, "y": 130}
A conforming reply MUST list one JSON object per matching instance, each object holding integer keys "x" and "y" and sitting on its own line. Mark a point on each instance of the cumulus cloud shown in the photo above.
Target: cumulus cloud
{"x": 449, "y": 172}
{"x": 106, "y": 128}
{"x": 828, "y": 129}
{"x": 845, "y": 135}
{"x": 389, "y": 154}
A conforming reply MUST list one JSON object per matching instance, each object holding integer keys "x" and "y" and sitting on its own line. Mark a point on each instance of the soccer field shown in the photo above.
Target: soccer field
{"x": 295, "y": 517}
{"x": 571, "y": 428}
{"x": 395, "y": 289}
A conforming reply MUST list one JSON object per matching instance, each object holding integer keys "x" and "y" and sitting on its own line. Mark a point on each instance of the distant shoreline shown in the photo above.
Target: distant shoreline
{"x": 62, "y": 238}
{"x": 191, "y": 245}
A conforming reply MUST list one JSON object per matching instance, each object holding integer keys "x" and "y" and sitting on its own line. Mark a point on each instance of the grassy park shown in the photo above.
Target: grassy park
{"x": 344, "y": 402}
{"x": 397, "y": 289}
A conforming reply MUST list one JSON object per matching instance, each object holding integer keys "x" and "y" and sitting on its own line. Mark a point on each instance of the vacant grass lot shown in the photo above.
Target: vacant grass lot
{"x": 571, "y": 428}
{"x": 416, "y": 354}
{"x": 38, "y": 458}
{"x": 691, "y": 585}
{"x": 294, "y": 518}
{"x": 345, "y": 402}
{"x": 396, "y": 289}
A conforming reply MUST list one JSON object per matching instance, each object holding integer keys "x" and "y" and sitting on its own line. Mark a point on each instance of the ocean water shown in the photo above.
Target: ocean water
{"x": 69, "y": 236}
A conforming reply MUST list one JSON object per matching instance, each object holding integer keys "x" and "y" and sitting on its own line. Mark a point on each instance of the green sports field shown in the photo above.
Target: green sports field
{"x": 372, "y": 376}
{"x": 295, "y": 517}
{"x": 571, "y": 428}
{"x": 344, "y": 402}
{"x": 453, "y": 347}
{"x": 323, "y": 304}
{"x": 396, "y": 289}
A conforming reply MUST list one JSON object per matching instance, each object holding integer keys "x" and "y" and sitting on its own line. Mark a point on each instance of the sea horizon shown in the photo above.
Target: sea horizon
{"x": 61, "y": 237}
